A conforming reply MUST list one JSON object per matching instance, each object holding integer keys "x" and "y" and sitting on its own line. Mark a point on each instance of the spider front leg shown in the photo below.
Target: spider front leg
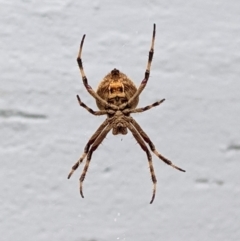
{"x": 147, "y": 72}
{"x": 94, "y": 146}
{"x": 149, "y": 156}
{"x": 86, "y": 149}
{"x": 151, "y": 145}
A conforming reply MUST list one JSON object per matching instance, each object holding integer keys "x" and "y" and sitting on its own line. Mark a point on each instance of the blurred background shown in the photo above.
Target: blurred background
{"x": 44, "y": 131}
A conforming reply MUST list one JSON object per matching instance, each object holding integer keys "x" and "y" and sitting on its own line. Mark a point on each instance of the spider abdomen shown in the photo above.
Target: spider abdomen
{"x": 116, "y": 88}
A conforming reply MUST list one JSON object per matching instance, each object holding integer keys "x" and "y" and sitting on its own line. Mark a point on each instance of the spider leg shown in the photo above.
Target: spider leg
{"x": 89, "y": 143}
{"x": 101, "y": 112}
{"x": 147, "y": 72}
{"x": 94, "y": 146}
{"x": 151, "y": 145}
{"x": 149, "y": 156}
{"x": 85, "y": 81}
{"x": 148, "y": 107}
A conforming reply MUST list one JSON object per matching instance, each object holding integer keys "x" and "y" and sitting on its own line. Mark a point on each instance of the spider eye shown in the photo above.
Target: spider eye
{"x": 120, "y": 89}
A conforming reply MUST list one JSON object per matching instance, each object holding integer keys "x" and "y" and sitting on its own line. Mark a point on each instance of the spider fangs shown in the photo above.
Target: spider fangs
{"x": 117, "y": 97}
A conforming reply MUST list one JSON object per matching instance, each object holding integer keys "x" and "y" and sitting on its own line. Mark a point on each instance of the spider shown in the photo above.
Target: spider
{"x": 117, "y": 97}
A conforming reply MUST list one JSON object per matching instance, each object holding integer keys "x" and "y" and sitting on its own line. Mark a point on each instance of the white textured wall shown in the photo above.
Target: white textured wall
{"x": 43, "y": 131}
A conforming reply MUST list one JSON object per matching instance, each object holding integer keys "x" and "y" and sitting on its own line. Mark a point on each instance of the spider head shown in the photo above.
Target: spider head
{"x": 119, "y": 129}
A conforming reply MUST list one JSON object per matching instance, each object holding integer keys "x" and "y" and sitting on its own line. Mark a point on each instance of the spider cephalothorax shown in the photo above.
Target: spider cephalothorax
{"x": 117, "y": 97}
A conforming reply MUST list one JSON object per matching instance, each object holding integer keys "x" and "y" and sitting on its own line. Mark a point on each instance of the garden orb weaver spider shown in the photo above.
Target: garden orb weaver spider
{"x": 117, "y": 97}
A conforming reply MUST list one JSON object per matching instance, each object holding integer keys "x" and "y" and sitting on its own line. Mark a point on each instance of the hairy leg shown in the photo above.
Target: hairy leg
{"x": 94, "y": 146}
{"x": 85, "y": 81}
{"x": 89, "y": 143}
{"x": 148, "y": 107}
{"x": 149, "y": 156}
{"x": 101, "y": 112}
{"x": 147, "y": 73}
{"x": 151, "y": 145}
